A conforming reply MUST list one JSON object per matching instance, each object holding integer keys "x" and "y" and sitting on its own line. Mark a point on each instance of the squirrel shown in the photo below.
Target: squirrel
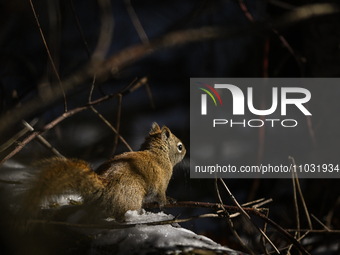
{"x": 122, "y": 183}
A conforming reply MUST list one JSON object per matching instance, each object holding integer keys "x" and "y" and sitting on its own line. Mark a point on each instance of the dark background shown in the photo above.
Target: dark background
{"x": 25, "y": 71}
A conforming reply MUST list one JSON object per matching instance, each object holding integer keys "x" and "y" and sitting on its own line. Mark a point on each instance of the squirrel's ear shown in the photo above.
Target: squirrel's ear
{"x": 165, "y": 133}
{"x": 155, "y": 128}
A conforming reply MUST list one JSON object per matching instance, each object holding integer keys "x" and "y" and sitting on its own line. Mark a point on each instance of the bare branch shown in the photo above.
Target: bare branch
{"x": 131, "y": 54}
{"x": 59, "y": 119}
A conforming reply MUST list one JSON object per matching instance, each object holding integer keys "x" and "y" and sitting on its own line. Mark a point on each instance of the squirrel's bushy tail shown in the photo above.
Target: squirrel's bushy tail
{"x": 56, "y": 176}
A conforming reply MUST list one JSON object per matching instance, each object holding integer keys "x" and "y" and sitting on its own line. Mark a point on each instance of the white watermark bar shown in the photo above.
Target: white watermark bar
{"x": 248, "y": 127}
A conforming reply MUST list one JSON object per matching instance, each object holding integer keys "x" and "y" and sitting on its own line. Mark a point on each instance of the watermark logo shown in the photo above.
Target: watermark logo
{"x": 284, "y": 101}
{"x": 239, "y": 99}
{"x": 204, "y": 97}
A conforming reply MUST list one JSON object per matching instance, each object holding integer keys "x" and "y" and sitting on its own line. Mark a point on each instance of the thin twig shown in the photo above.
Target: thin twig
{"x": 212, "y": 206}
{"x": 17, "y": 136}
{"x": 230, "y": 222}
{"x": 80, "y": 30}
{"x": 54, "y": 35}
{"x": 119, "y": 95}
{"x": 61, "y": 118}
{"x": 296, "y": 206}
{"x": 218, "y": 194}
{"x": 110, "y": 126}
{"x": 303, "y": 203}
{"x": 148, "y": 90}
{"x": 253, "y": 202}
{"x": 136, "y": 22}
{"x": 92, "y": 88}
{"x": 50, "y": 56}
{"x": 331, "y": 212}
{"x": 256, "y": 205}
{"x": 124, "y": 226}
{"x": 262, "y": 203}
{"x": 43, "y": 141}
{"x": 117, "y": 126}
{"x": 304, "y": 235}
{"x": 319, "y": 221}
{"x": 141, "y": 82}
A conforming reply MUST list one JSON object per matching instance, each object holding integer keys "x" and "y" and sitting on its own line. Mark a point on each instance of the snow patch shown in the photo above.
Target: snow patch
{"x": 133, "y": 217}
{"x": 62, "y": 200}
{"x": 143, "y": 239}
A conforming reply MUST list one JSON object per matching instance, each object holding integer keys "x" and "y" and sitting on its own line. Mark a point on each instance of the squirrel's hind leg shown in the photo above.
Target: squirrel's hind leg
{"x": 129, "y": 198}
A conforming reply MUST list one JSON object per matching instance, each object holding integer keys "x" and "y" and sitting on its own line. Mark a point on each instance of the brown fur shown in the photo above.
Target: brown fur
{"x": 120, "y": 184}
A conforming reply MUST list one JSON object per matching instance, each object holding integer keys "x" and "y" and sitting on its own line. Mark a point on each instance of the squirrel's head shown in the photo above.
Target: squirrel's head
{"x": 162, "y": 139}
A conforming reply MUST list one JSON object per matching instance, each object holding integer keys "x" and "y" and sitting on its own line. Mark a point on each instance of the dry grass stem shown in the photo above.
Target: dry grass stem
{"x": 248, "y": 217}
{"x": 296, "y": 206}
{"x": 301, "y": 195}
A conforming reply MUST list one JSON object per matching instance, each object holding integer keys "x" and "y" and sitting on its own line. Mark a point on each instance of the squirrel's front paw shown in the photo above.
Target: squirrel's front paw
{"x": 170, "y": 200}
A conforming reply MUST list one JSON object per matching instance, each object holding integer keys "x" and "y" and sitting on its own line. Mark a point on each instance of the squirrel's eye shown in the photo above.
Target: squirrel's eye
{"x": 179, "y": 147}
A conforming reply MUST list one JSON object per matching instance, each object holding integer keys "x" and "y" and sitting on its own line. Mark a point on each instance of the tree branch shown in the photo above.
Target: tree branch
{"x": 105, "y": 69}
